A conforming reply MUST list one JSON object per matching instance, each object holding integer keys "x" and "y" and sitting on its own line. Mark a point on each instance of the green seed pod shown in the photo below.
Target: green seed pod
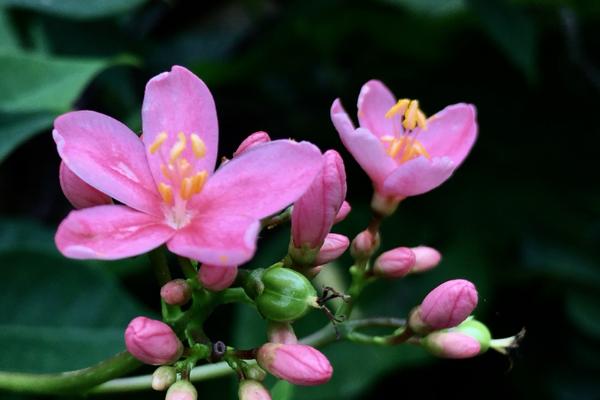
{"x": 287, "y": 295}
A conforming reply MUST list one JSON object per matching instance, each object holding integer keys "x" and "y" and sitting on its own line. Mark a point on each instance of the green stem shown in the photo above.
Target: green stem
{"x": 158, "y": 259}
{"x": 234, "y": 295}
{"x": 69, "y": 382}
{"x": 188, "y": 269}
{"x": 281, "y": 218}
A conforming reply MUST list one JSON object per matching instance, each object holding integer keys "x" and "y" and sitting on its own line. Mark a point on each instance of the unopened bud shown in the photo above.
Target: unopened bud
{"x": 215, "y": 277}
{"x": 182, "y": 390}
{"x": 176, "y": 292}
{"x": 152, "y": 342}
{"x": 254, "y": 372}
{"x": 333, "y": 247}
{"x": 468, "y": 339}
{"x": 253, "y": 390}
{"x": 343, "y": 212}
{"x": 395, "y": 263}
{"x": 426, "y": 258}
{"x": 281, "y": 332}
{"x": 163, "y": 377}
{"x": 364, "y": 244}
{"x": 79, "y": 193}
{"x": 254, "y": 139}
{"x": 296, "y": 363}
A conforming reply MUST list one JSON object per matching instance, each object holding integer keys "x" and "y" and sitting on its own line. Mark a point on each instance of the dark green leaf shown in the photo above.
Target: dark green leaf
{"x": 282, "y": 390}
{"x": 76, "y": 8}
{"x": 584, "y": 310}
{"x": 16, "y": 128}
{"x": 8, "y": 39}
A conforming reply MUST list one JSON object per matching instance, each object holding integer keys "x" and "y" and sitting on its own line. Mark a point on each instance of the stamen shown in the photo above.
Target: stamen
{"x": 421, "y": 120}
{"x": 198, "y": 146}
{"x": 165, "y": 171}
{"x": 398, "y": 108}
{"x": 185, "y": 190}
{"x": 395, "y": 147}
{"x": 198, "y": 181}
{"x": 166, "y": 192}
{"x": 410, "y": 116}
{"x": 387, "y": 139}
{"x": 177, "y": 148}
{"x": 158, "y": 141}
{"x": 183, "y": 167}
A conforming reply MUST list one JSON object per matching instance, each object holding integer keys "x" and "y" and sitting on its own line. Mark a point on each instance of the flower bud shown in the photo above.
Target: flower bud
{"x": 216, "y": 278}
{"x": 152, "y": 342}
{"x": 281, "y": 332}
{"x": 79, "y": 193}
{"x": 313, "y": 213}
{"x": 444, "y": 307}
{"x": 426, "y": 258}
{"x": 364, "y": 244}
{"x": 333, "y": 247}
{"x": 163, "y": 377}
{"x": 395, "y": 263}
{"x": 254, "y": 372}
{"x": 254, "y": 139}
{"x": 252, "y": 390}
{"x": 296, "y": 363}
{"x": 343, "y": 212}
{"x": 182, "y": 390}
{"x": 287, "y": 295}
{"x": 176, "y": 292}
{"x": 466, "y": 340}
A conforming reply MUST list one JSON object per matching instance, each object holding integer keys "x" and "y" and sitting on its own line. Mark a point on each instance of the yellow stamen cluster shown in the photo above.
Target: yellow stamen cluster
{"x": 410, "y": 113}
{"x": 192, "y": 185}
{"x": 407, "y": 147}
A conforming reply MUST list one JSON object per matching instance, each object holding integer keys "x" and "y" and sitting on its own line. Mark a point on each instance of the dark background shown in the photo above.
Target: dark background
{"x": 520, "y": 218}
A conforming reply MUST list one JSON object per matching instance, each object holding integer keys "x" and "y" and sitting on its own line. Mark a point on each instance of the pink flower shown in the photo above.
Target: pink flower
{"x": 296, "y": 363}
{"x": 343, "y": 212}
{"x": 166, "y": 182}
{"x": 426, "y": 258}
{"x": 314, "y": 213}
{"x": 176, "y": 292}
{"x": 395, "y": 263}
{"x": 216, "y": 278}
{"x": 404, "y": 153}
{"x": 79, "y": 193}
{"x": 152, "y": 342}
{"x": 333, "y": 247}
{"x": 254, "y": 139}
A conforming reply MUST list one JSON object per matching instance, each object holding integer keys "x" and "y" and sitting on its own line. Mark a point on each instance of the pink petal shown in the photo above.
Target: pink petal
{"x": 216, "y": 238}
{"x": 109, "y": 232}
{"x": 451, "y": 132}
{"x": 418, "y": 176}
{"x": 178, "y": 101}
{"x": 108, "y": 156}
{"x": 374, "y": 101}
{"x": 262, "y": 180}
{"x": 217, "y": 277}
{"x": 79, "y": 193}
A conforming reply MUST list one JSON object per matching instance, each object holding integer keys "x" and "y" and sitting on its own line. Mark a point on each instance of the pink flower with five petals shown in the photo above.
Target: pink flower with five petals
{"x": 166, "y": 181}
{"x": 403, "y": 152}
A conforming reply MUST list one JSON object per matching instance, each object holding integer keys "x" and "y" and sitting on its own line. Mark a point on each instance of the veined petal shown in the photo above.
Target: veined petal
{"x": 262, "y": 180}
{"x": 108, "y": 156}
{"x": 418, "y": 176}
{"x": 217, "y": 238}
{"x": 110, "y": 232}
{"x": 179, "y": 102}
{"x": 374, "y": 101}
{"x": 451, "y": 132}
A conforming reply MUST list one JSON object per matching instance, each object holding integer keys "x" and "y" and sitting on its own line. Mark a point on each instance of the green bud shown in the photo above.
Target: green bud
{"x": 287, "y": 295}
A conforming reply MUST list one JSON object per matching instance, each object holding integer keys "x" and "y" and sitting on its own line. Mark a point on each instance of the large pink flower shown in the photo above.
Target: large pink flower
{"x": 166, "y": 183}
{"x": 403, "y": 152}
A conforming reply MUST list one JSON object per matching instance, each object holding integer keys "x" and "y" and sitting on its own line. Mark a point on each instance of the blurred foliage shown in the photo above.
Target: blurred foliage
{"x": 521, "y": 218}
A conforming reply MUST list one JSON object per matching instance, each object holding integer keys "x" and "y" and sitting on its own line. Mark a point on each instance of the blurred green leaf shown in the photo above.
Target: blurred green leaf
{"x": 16, "y": 128}
{"x": 584, "y": 310}
{"x": 8, "y": 39}
{"x": 512, "y": 29}
{"x": 436, "y": 8}
{"x": 282, "y": 390}
{"x": 76, "y": 8}
{"x": 41, "y": 83}
{"x": 25, "y": 235}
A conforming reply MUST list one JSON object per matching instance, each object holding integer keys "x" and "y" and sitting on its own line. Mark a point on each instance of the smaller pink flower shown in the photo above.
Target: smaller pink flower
{"x": 254, "y": 139}
{"x": 451, "y": 345}
{"x": 448, "y": 305}
{"x": 176, "y": 292}
{"x": 216, "y": 278}
{"x": 426, "y": 258}
{"x": 252, "y": 390}
{"x": 403, "y": 152}
{"x": 333, "y": 247}
{"x": 395, "y": 263}
{"x": 314, "y": 213}
{"x": 79, "y": 193}
{"x": 364, "y": 244}
{"x": 152, "y": 342}
{"x": 343, "y": 212}
{"x": 296, "y": 363}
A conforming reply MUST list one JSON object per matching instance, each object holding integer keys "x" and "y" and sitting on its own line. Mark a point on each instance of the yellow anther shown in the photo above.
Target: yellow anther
{"x": 421, "y": 120}
{"x": 165, "y": 171}
{"x": 410, "y": 116}
{"x": 166, "y": 192}
{"x": 395, "y": 147}
{"x": 387, "y": 139}
{"x": 198, "y": 146}
{"x": 185, "y": 190}
{"x": 398, "y": 108}
{"x": 419, "y": 149}
{"x": 198, "y": 181}
{"x": 177, "y": 148}
{"x": 183, "y": 167}
{"x": 158, "y": 141}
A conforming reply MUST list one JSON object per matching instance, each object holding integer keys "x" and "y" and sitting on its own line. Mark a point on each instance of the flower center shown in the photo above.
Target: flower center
{"x": 408, "y": 121}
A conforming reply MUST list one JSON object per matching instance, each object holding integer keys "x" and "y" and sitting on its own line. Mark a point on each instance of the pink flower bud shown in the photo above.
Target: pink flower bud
{"x": 451, "y": 345}
{"x": 152, "y": 342}
{"x": 254, "y": 139}
{"x": 333, "y": 247}
{"x": 216, "y": 278}
{"x": 281, "y": 332}
{"x": 426, "y": 258}
{"x": 296, "y": 363}
{"x": 313, "y": 214}
{"x": 182, "y": 390}
{"x": 448, "y": 304}
{"x": 176, "y": 292}
{"x": 79, "y": 193}
{"x": 395, "y": 263}
{"x": 343, "y": 212}
{"x": 253, "y": 390}
{"x": 163, "y": 377}
{"x": 364, "y": 244}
